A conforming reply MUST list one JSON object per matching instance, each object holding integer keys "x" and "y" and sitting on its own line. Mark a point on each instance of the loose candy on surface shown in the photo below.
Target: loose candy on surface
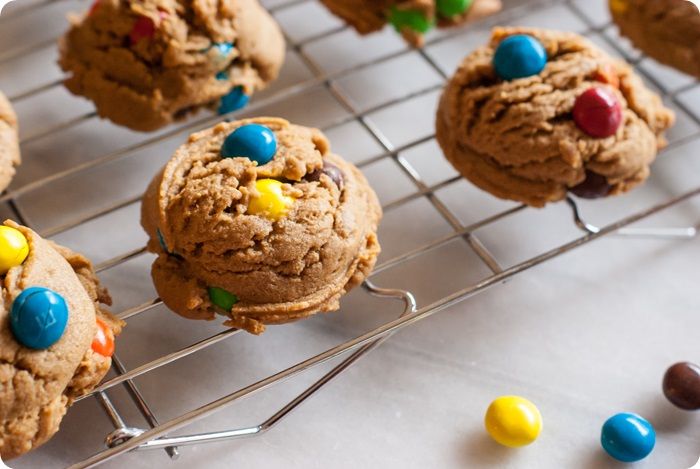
{"x": 627, "y": 437}
{"x": 38, "y": 317}
{"x": 681, "y": 385}
{"x": 519, "y": 56}
{"x": 453, "y": 7}
{"x": 598, "y": 112}
{"x": 594, "y": 186}
{"x": 235, "y": 100}
{"x": 14, "y": 248}
{"x": 410, "y": 19}
{"x": 513, "y": 421}
{"x": 222, "y": 298}
{"x": 330, "y": 170}
{"x": 253, "y": 141}
{"x": 103, "y": 343}
{"x": 271, "y": 201}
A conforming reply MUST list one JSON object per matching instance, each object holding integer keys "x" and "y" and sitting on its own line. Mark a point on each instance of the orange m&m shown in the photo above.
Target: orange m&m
{"x": 103, "y": 343}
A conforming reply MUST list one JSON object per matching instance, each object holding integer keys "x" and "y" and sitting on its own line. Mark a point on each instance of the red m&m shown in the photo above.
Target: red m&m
{"x": 598, "y": 112}
{"x": 144, "y": 28}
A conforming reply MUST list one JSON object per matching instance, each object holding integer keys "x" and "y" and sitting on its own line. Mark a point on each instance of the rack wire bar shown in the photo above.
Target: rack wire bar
{"x": 390, "y": 327}
{"x": 126, "y": 438}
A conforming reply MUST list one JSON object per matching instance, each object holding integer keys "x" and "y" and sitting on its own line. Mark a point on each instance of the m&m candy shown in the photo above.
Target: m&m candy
{"x": 270, "y": 202}
{"x": 628, "y": 437}
{"x": 519, "y": 56}
{"x": 453, "y": 7}
{"x": 594, "y": 186}
{"x": 253, "y": 141}
{"x": 38, "y": 317}
{"x": 681, "y": 385}
{"x": 409, "y": 19}
{"x": 143, "y": 28}
{"x": 13, "y": 248}
{"x": 103, "y": 343}
{"x": 513, "y": 421}
{"x": 598, "y": 112}
{"x": 222, "y": 298}
{"x": 233, "y": 101}
{"x": 330, "y": 170}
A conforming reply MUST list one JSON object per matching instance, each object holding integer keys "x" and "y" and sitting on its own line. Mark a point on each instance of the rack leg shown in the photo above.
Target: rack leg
{"x": 654, "y": 233}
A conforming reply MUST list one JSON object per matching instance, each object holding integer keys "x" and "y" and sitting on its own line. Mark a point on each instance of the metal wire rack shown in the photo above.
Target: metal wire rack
{"x": 127, "y": 438}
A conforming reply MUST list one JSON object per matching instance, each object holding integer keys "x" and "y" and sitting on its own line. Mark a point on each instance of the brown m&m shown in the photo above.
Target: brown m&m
{"x": 681, "y": 385}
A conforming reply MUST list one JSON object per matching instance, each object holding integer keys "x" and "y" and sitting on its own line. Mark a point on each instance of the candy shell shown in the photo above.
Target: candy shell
{"x": 594, "y": 186}
{"x": 38, "y": 317}
{"x": 330, "y": 170}
{"x": 14, "y": 248}
{"x": 143, "y": 28}
{"x": 453, "y": 7}
{"x": 222, "y": 298}
{"x": 628, "y": 437}
{"x": 598, "y": 112}
{"x": 409, "y": 19}
{"x": 513, "y": 421}
{"x": 271, "y": 202}
{"x": 103, "y": 343}
{"x": 519, "y": 56}
{"x": 681, "y": 385}
{"x": 233, "y": 101}
{"x": 253, "y": 141}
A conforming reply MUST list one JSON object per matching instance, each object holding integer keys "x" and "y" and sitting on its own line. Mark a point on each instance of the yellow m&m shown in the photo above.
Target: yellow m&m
{"x": 619, "y": 6}
{"x": 513, "y": 421}
{"x": 270, "y": 202}
{"x": 13, "y": 248}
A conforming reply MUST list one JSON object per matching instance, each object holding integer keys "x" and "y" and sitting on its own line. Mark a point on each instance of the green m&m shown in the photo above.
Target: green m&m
{"x": 222, "y": 298}
{"x": 409, "y": 19}
{"x": 450, "y": 8}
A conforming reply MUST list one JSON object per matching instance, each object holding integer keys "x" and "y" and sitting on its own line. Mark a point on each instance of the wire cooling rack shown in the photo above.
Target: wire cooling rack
{"x": 376, "y": 103}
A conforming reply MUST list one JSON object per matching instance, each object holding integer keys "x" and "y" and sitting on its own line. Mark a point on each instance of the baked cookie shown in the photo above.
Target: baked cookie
{"x": 412, "y": 18}
{"x": 146, "y": 63}
{"x": 257, "y": 221}
{"x": 667, "y": 30}
{"x": 9, "y": 143}
{"x": 535, "y": 114}
{"x": 56, "y": 339}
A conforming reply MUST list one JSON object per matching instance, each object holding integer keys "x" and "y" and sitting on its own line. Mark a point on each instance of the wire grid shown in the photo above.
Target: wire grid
{"x": 126, "y": 439}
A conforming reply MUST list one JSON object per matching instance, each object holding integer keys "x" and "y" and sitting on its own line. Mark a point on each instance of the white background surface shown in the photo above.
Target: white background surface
{"x": 584, "y": 336}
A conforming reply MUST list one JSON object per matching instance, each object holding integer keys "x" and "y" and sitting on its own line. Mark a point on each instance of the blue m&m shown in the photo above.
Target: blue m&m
{"x": 253, "y": 141}
{"x": 519, "y": 56}
{"x": 628, "y": 437}
{"x": 233, "y": 101}
{"x": 38, "y": 317}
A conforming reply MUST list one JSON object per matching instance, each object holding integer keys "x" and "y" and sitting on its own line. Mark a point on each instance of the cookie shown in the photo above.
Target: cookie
{"x": 535, "y": 114}
{"x": 667, "y": 30}
{"x": 9, "y": 143}
{"x": 147, "y": 63}
{"x": 412, "y": 18}
{"x": 56, "y": 337}
{"x": 256, "y": 220}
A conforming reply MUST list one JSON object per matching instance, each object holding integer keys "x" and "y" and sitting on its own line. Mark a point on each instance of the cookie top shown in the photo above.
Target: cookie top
{"x": 145, "y": 63}
{"x": 532, "y": 139}
{"x": 280, "y": 239}
{"x": 412, "y": 18}
{"x": 39, "y": 382}
{"x": 667, "y": 30}
{"x": 9, "y": 143}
